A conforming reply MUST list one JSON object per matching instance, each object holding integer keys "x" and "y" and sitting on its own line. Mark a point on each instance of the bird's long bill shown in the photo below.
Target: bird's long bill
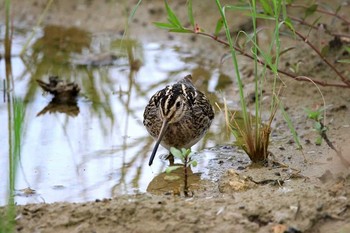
{"x": 160, "y": 136}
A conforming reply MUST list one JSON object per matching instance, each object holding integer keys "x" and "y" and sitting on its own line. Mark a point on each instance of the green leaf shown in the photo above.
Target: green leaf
{"x": 310, "y": 10}
{"x": 289, "y": 24}
{"x": 171, "y": 168}
{"x": 193, "y": 163}
{"x": 286, "y": 50}
{"x": 180, "y": 30}
{"x": 244, "y": 7}
{"x": 172, "y": 18}
{"x": 318, "y": 141}
{"x": 167, "y": 26}
{"x": 266, "y": 7}
{"x": 318, "y": 126}
{"x": 344, "y": 61}
{"x": 324, "y": 129}
{"x": 190, "y": 12}
{"x": 177, "y": 153}
{"x": 338, "y": 9}
{"x": 218, "y": 27}
{"x": 313, "y": 115}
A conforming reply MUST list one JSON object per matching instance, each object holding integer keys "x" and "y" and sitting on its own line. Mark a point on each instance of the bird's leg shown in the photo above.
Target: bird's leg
{"x": 171, "y": 159}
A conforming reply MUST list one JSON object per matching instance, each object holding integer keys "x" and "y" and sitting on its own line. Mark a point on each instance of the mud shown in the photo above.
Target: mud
{"x": 297, "y": 191}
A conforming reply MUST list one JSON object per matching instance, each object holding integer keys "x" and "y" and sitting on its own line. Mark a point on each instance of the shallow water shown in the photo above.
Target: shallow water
{"x": 99, "y": 148}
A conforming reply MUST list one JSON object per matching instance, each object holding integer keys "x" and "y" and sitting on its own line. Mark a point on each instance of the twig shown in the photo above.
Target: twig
{"x": 186, "y": 177}
{"x": 322, "y": 11}
{"x": 330, "y": 144}
{"x": 344, "y": 79}
{"x": 298, "y": 78}
{"x": 303, "y": 22}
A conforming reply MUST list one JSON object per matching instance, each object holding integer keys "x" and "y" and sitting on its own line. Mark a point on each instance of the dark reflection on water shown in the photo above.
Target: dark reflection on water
{"x": 64, "y": 96}
{"x": 103, "y": 150}
{"x": 173, "y": 183}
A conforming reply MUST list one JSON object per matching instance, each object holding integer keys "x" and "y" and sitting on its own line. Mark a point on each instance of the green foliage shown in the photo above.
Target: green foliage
{"x": 174, "y": 24}
{"x": 190, "y": 12}
{"x": 310, "y": 10}
{"x": 218, "y": 27}
{"x": 316, "y": 115}
{"x": 290, "y": 126}
{"x": 267, "y": 7}
{"x": 319, "y": 127}
{"x": 16, "y": 117}
{"x": 185, "y": 156}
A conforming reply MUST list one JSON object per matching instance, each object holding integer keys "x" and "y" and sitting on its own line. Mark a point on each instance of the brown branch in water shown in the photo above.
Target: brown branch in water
{"x": 330, "y": 144}
{"x": 321, "y": 11}
{"x": 295, "y": 77}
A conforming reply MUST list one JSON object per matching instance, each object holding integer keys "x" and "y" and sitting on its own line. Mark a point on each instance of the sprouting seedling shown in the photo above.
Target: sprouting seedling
{"x": 317, "y": 116}
{"x": 295, "y": 67}
{"x": 319, "y": 126}
{"x": 185, "y": 156}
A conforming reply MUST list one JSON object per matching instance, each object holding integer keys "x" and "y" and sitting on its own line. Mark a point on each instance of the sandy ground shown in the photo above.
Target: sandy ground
{"x": 294, "y": 195}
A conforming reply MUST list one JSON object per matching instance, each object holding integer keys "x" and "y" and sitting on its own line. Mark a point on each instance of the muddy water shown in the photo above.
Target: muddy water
{"x": 98, "y": 146}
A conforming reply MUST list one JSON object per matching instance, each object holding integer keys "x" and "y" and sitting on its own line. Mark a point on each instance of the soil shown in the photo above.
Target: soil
{"x": 297, "y": 191}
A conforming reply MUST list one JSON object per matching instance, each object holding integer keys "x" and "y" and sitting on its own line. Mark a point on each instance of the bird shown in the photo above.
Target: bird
{"x": 177, "y": 116}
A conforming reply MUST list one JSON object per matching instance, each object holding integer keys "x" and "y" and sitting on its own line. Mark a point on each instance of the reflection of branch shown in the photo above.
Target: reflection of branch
{"x": 295, "y": 77}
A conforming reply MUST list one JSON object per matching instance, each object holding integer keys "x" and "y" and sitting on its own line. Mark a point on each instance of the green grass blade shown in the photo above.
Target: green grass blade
{"x": 290, "y": 126}
{"x": 234, "y": 61}
{"x": 40, "y": 19}
{"x": 133, "y": 12}
{"x": 238, "y": 7}
{"x": 190, "y": 12}
{"x": 344, "y": 61}
{"x": 166, "y": 26}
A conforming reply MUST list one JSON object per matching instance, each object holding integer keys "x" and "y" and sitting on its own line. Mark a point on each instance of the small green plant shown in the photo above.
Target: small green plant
{"x": 185, "y": 156}
{"x": 320, "y": 128}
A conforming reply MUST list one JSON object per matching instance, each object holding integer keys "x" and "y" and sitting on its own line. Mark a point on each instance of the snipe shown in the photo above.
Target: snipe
{"x": 177, "y": 116}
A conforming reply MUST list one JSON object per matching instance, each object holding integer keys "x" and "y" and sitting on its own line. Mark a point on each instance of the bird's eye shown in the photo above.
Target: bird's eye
{"x": 178, "y": 104}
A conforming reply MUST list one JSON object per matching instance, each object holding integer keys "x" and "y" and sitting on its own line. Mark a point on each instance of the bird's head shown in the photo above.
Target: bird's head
{"x": 173, "y": 104}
